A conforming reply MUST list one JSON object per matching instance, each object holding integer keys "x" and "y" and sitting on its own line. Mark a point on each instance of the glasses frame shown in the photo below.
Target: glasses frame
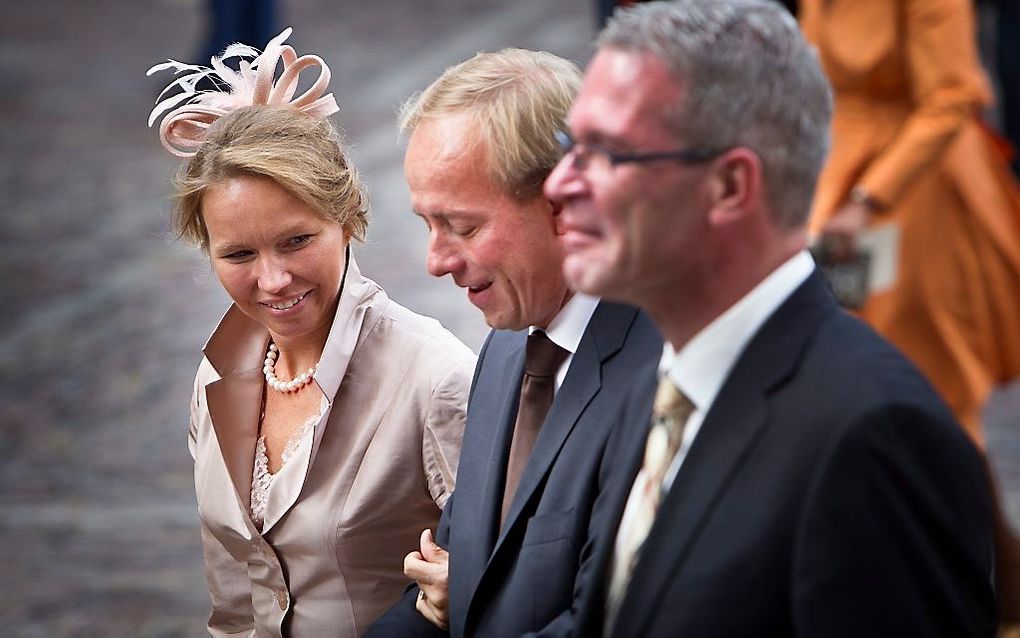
{"x": 569, "y": 145}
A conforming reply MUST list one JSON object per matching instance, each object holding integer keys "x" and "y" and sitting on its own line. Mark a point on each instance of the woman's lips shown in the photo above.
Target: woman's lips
{"x": 286, "y": 305}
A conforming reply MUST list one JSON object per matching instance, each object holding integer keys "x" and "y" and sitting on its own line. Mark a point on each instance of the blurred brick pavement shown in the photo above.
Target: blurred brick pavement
{"x": 99, "y": 524}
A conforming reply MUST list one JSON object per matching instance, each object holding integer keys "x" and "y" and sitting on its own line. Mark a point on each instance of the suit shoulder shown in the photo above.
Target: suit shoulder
{"x": 852, "y": 371}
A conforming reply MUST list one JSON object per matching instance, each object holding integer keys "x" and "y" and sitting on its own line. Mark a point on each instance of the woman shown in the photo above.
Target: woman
{"x": 326, "y": 419}
{"x": 909, "y": 153}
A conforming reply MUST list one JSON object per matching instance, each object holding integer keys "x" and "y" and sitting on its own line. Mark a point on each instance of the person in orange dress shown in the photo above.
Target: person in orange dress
{"x": 909, "y": 150}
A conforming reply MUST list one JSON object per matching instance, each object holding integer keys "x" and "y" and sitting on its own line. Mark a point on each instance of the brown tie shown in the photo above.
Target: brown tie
{"x": 669, "y": 414}
{"x": 542, "y": 359}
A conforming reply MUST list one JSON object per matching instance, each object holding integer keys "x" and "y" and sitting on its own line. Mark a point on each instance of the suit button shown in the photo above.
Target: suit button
{"x": 281, "y": 597}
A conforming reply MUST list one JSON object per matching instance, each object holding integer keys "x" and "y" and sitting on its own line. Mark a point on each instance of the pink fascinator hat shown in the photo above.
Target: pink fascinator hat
{"x": 191, "y": 111}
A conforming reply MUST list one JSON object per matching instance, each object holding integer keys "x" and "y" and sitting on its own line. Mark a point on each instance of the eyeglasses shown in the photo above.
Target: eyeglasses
{"x": 583, "y": 152}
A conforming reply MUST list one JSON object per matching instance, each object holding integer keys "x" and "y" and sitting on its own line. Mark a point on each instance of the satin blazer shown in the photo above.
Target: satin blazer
{"x": 342, "y": 515}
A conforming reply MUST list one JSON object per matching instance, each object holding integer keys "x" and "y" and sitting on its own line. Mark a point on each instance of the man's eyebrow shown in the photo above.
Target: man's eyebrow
{"x": 597, "y": 136}
{"x": 447, "y": 215}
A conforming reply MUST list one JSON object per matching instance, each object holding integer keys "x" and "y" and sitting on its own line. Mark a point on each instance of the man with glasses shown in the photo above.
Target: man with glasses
{"x": 794, "y": 475}
{"x": 511, "y": 538}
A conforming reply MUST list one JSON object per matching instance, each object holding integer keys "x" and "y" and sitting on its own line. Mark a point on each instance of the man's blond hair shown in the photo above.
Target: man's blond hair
{"x": 517, "y": 99}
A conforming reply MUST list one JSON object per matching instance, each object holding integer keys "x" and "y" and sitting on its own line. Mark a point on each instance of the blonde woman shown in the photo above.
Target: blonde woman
{"x": 326, "y": 420}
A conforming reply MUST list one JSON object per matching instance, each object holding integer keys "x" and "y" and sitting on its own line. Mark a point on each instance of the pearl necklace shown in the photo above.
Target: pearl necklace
{"x": 294, "y": 384}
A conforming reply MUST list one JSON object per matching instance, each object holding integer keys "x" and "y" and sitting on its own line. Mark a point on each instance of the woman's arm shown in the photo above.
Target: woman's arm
{"x": 946, "y": 85}
{"x": 444, "y": 429}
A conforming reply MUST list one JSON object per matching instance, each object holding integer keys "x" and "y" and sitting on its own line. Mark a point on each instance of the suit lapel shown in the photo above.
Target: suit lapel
{"x": 236, "y": 350}
{"x": 603, "y": 338}
{"x": 234, "y": 404}
{"x": 352, "y": 322}
{"x": 493, "y": 412}
{"x": 628, "y": 455}
{"x": 734, "y": 423}
{"x": 729, "y": 432}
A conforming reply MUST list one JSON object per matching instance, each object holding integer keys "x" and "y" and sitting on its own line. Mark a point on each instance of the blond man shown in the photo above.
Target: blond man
{"x": 510, "y": 544}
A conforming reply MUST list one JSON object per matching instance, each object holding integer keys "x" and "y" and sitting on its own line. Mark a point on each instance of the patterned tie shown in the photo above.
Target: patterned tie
{"x": 669, "y": 414}
{"x": 542, "y": 359}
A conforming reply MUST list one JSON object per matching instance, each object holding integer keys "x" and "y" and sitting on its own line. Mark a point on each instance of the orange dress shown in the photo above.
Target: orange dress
{"x": 908, "y": 90}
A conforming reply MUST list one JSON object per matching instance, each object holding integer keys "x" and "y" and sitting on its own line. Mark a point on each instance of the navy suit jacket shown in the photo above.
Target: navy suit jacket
{"x": 829, "y": 492}
{"x": 520, "y": 579}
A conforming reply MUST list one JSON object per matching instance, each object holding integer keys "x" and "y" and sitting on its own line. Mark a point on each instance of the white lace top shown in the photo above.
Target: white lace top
{"x": 262, "y": 478}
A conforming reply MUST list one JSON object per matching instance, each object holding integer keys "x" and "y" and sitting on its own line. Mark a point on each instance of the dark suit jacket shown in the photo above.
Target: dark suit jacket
{"x": 521, "y": 579}
{"x": 829, "y": 493}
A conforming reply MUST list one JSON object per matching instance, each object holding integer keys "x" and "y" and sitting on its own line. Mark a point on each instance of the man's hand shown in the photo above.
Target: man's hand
{"x": 430, "y": 568}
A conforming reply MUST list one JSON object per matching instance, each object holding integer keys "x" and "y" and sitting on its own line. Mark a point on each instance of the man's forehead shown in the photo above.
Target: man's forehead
{"x": 448, "y": 135}
{"x": 626, "y": 67}
{"x": 621, "y": 87}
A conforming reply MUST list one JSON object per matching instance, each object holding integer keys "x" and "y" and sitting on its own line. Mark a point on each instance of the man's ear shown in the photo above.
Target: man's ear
{"x": 557, "y": 208}
{"x": 737, "y": 186}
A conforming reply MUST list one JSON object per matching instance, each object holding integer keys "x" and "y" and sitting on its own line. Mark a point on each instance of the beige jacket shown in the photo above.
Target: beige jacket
{"x": 342, "y": 514}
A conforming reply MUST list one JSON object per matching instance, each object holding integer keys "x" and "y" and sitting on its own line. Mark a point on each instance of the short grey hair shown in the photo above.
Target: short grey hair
{"x": 749, "y": 79}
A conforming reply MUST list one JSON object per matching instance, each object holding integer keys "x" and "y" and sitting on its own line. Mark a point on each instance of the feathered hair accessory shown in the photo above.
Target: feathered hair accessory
{"x": 183, "y": 128}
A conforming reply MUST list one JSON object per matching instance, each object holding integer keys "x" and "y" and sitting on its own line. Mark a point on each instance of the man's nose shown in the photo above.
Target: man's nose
{"x": 443, "y": 259}
{"x": 564, "y": 181}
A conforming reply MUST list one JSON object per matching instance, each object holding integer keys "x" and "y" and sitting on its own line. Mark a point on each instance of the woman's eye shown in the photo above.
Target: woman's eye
{"x": 298, "y": 240}
{"x": 463, "y": 231}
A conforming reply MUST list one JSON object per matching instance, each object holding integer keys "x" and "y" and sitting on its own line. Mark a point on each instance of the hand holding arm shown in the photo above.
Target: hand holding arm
{"x": 430, "y": 569}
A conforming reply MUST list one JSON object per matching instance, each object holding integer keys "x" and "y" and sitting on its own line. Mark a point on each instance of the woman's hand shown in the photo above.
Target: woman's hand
{"x": 430, "y": 568}
{"x": 842, "y": 231}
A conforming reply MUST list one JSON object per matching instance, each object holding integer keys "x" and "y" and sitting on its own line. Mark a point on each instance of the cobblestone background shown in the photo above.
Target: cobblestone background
{"x": 107, "y": 315}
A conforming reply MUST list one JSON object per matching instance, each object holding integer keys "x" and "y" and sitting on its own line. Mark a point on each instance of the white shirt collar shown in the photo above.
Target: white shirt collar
{"x": 569, "y": 324}
{"x": 702, "y": 365}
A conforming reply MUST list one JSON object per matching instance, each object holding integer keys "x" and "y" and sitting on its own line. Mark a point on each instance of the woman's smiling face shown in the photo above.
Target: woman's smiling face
{"x": 279, "y": 260}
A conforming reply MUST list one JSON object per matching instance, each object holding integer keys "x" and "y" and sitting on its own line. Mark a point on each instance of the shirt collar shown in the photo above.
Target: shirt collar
{"x": 701, "y": 366}
{"x": 569, "y": 324}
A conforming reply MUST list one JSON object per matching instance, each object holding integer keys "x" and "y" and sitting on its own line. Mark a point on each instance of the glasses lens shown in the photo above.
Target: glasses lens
{"x": 565, "y": 141}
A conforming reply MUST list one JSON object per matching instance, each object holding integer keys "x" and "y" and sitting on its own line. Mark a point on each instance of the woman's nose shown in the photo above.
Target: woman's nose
{"x": 274, "y": 276}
